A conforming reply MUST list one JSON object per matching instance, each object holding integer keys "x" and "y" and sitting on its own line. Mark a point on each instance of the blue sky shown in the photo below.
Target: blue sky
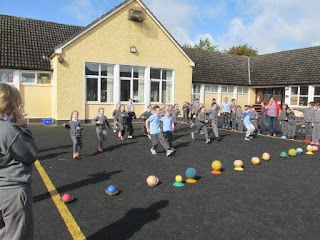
{"x": 267, "y": 25}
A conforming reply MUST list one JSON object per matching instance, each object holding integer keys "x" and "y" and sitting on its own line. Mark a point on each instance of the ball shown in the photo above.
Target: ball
{"x": 191, "y": 173}
{"x": 292, "y": 152}
{"x": 238, "y": 163}
{"x": 111, "y": 189}
{"x": 265, "y": 156}
{"x": 178, "y": 178}
{"x": 152, "y": 181}
{"x": 66, "y": 198}
{"x": 315, "y": 148}
{"x": 255, "y": 160}
{"x": 216, "y": 165}
{"x": 309, "y": 148}
{"x": 299, "y": 151}
{"x": 283, "y": 154}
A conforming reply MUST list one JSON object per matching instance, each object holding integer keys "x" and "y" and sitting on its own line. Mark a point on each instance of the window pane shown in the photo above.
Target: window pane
{"x": 28, "y": 77}
{"x": 44, "y": 78}
{"x": 207, "y": 88}
{"x": 224, "y": 89}
{"x": 303, "y": 101}
{"x": 214, "y": 88}
{"x": 155, "y": 91}
{"x": 155, "y": 73}
{"x": 138, "y": 91}
{"x": 316, "y": 99}
{"x": 92, "y": 89}
{"x": 294, "y": 100}
{"x": 125, "y": 90}
{"x": 230, "y": 89}
{"x": 106, "y": 90}
{"x": 6, "y": 76}
{"x": 304, "y": 90}
{"x": 239, "y": 89}
{"x": 316, "y": 90}
{"x": 245, "y": 89}
{"x": 166, "y": 91}
{"x": 106, "y": 70}
{"x": 294, "y": 90}
{"x": 125, "y": 71}
{"x": 196, "y": 88}
{"x": 92, "y": 69}
{"x": 138, "y": 72}
{"x": 166, "y": 74}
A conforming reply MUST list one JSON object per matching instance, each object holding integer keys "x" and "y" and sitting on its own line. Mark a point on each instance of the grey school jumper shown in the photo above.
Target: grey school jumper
{"x": 283, "y": 118}
{"x": 201, "y": 122}
{"x": 76, "y": 134}
{"x": 316, "y": 127}
{"x": 101, "y": 128}
{"x": 213, "y": 118}
{"x": 308, "y": 115}
{"x": 239, "y": 116}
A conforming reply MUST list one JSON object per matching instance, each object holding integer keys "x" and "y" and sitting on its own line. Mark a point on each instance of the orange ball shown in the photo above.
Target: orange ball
{"x": 315, "y": 148}
{"x": 265, "y": 156}
{"x": 152, "y": 181}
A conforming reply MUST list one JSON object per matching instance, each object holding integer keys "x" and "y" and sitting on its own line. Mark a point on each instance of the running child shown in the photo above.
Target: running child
{"x": 291, "y": 125}
{"x": 201, "y": 123}
{"x": 145, "y": 115}
{"x": 247, "y": 123}
{"x": 101, "y": 122}
{"x": 121, "y": 118}
{"x": 167, "y": 128}
{"x": 115, "y": 112}
{"x": 213, "y": 120}
{"x": 131, "y": 116}
{"x": 75, "y": 127}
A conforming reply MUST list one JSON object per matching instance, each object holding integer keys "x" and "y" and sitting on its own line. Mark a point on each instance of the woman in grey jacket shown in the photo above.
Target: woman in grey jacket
{"x": 18, "y": 152}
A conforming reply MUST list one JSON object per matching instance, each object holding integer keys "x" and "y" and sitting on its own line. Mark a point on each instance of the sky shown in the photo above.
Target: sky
{"x": 266, "y": 25}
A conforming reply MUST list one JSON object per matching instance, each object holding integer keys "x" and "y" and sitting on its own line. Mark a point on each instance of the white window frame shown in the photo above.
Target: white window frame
{"x": 13, "y": 78}
{"x": 211, "y": 88}
{"x": 314, "y": 96}
{"x": 35, "y": 83}
{"x": 99, "y": 77}
{"x": 242, "y": 92}
{"x": 229, "y": 90}
{"x": 160, "y": 85}
{"x": 298, "y": 96}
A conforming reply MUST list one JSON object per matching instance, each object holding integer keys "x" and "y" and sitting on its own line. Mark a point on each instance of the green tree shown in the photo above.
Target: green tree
{"x": 244, "y": 50}
{"x": 203, "y": 44}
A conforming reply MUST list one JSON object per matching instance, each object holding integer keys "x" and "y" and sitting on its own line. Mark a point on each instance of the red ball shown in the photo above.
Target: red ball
{"x": 66, "y": 198}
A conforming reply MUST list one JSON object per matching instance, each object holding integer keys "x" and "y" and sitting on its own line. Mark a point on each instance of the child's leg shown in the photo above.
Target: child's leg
{"x": 315, "y": 130}
{"x": 205, "y": 130}
{"x": 240, "y": 125}
{"x": 308, "y": 128}
{"x": 248, "y": 127}
{"x": 130, "y": 128}
{"x": 79, "y": 143}
{"x": 121, "y": 129}
{"x": 234, "y": 124}
{"x": 163, "y": 141}
{"x": 154, "y": 140}
{"x": 74, "y": 144}
{"x": 169, "y": 137}
{"x": 100, "y": 137}
{"x": 114, "y": 124}
{"x": 214, "y": 128}
{"x": 293, "y": 131}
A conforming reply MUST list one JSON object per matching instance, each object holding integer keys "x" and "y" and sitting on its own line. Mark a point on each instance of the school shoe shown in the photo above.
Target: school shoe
{"x": 247, "y": 139}
{"x": 130, "y": 137}
{"x": 100, "y": 149}
{"x": 208, "y": 141}
{"x": 284, "y": 137}
{"x": 274, "y": 135}
{"x": 192, "y": 136}
{"x": 201, "y": 132}
{"x": 153, "y": 151}
{"x": 250, "y": 137}
{"x": 169, "y": 152}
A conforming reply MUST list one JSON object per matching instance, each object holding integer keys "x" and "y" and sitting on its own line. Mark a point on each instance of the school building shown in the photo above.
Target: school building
{"x": 127, "y": 53}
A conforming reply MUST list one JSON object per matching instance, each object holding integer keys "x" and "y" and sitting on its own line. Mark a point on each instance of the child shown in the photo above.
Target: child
{"x": 291, "y": 125}
{"x": 75, "y": 127}
{"x": 233, "y": 115}
{"x": 239, "y": 116}
{"x": 167, "y": 128}
{"x": 145, "y": 115}
{"x": 213, "y": 119}
{"x": 115, "y": 112}
{"x": 308, "y": 115}
{"x": 283, "y": 120}
{"x": 101, "y": 122}
{"x": 175, "y": 113}
{"x": 254, "y": 117}
{"x": 131, "y": 116}
{"x": 247, "y": 123}
{"x": 153, "y": 128}
{"x": 201, "y": 124}
{"x": 316, "y": 126}
{"x": 121, "y": 118}
{"x": 130, "y": 103}
{"x": 194, "y": 110}
{"x": 225, "y": 112}
{"x": 186, "y": 110}
{"x": 18, "y": 152}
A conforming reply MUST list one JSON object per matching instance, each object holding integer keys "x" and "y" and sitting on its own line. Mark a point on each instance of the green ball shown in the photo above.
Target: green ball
{"x": 283, "y": 154}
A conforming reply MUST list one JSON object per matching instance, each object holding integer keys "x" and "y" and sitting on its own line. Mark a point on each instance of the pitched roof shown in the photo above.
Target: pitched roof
{"x": 25, "y": 41}
{"x": 295, "y": 67}
{"x": 218, "y": 68}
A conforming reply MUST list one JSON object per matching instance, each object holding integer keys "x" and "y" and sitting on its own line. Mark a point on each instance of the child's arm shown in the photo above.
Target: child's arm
{"x": 147, "y": 124}
{"x": 80, "y": 127}
{"x": 107, "y": 122}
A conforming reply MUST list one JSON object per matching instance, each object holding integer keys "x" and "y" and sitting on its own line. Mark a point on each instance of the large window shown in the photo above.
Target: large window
{"x": 211, "y": 88}
{"x": 161, "y": 85}
{"x": 227, "y": 89}
{"x": 35, "y": 78}
{"x": 99, "y": 82}
{"x": 316, "y": 94}
{"x": 299, "y": 96}
{"x": 6, "y": 76}
{"x": 132, "y": 83}
{"x": 196, "y": 92}
{"x": 242, "y": 90}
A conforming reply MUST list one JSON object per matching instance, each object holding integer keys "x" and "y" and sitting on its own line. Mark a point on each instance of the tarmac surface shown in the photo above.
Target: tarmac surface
{"x": 278, "y": 199}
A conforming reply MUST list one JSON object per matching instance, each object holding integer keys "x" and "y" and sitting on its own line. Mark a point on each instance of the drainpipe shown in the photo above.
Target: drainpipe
{"x": 249, "y": 77}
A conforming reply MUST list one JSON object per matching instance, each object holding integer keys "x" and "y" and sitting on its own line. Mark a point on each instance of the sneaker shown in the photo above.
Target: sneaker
{"x": 129, "y": 136}
{"x": 173, "y": 149}
{"x": 274, "y": 135}
{"x": 247, "y": 139}
{"x": 169, "y": 152}
{"x": 191, "y": 125}
{"x": 114, "y": 131}
{"x": 202, "y": 133}
{"x": 284, "y": 137}
{"x": 250, "y": 137}
{"x": 268, "y": 134}
{"x": 100, "y": 149}
{"x": 153, "y": 151}
{"x": 208, "y": 141}
{"x": 192, "y": 136}
{"x": 306, "y": 140}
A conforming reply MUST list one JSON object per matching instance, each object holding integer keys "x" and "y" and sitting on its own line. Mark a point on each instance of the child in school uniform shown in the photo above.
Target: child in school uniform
{"x": 233, "y": 115}
{"x": 316, "y": 126}
{"x": 201, "y": 124}
{"x": 18, "y": 152}
{"x": 175, "y": 113}
{"x": 131, "y": 116}
{"x": 283, "y": 120}
{"x": 291, "y": 125}
{"x": 239, "y": 116}
{"x": 254, "y": 118}
{"x": 186, "y": 111}
{"x": 75, "y": 127}
{"x": 247, "y": 123}
{"x": 145, "y": 115}
{"x": 115, "y": 112}
{"x": 167, "y": 128}
{"x": 213, "y": 120}
{"x": 101, "y": 123}
{"x": 308, "y": 115}
{"x": 225, "y": 113}
{"x": 121, "y": 118}
{"x": 156, "y": 135}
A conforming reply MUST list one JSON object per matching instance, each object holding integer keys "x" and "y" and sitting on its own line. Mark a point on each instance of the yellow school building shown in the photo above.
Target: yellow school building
{"x": 128, "y": 53}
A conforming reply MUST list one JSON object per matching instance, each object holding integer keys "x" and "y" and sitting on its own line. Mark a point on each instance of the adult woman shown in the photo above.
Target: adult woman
{"x": 272, "y": 111}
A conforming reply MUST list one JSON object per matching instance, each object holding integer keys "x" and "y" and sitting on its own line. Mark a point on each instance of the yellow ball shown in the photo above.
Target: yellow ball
{"x": 265, "y": 156}
{"x": 309, "y": 148}
{"x": 292, "y": 152}
{"x": 216, "y": 165}
{"x": 255, "y": 160}
{"x": 178, "y": 178}
{"x": 238, "y": 163}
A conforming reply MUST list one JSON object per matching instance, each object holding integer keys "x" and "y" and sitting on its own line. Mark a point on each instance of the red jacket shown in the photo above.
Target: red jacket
{"x": 277, "y": 110}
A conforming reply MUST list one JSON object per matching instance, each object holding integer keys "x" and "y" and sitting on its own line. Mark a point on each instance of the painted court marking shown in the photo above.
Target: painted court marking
{"x": 67, "y": 217}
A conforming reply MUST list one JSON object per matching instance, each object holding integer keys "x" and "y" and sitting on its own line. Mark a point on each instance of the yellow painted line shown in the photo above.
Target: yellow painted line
{"x": 67, "y": 217}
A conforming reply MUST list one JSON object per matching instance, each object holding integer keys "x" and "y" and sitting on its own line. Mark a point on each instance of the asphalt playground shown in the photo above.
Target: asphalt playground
{"x": 278, "y": 199}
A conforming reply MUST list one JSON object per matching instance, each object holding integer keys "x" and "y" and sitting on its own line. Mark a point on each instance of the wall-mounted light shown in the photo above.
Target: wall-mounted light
{"x": 60, "y": 59}
{"x": 133, "y": 49}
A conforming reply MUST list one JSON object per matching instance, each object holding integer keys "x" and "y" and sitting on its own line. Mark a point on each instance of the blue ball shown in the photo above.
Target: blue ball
{"x": 191, "y": 173}
{"x": 299, "y": 152}
{"x": 111, "y": 189}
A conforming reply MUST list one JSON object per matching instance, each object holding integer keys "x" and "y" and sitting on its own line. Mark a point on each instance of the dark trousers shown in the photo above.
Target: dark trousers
{"x": 225, "y": 119}
{"x": 272, "y": 121}
{"x": 130, "y": 128}
{"x": 168, "y": 135}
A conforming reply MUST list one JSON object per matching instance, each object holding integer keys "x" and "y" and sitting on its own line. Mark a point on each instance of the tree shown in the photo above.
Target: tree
{"x": 204, "y": 44}
{"x": 244, "y": 50}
